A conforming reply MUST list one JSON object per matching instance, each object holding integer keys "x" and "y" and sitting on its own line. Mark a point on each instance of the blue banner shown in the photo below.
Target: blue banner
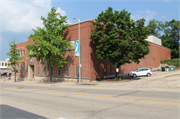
{"x": 76, "y": 48}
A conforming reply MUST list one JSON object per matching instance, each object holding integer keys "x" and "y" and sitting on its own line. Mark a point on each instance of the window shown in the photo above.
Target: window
{"x": 23, "y": 68}
{"x": 77, "y": 71}
{"x": 2, "y": 64}
{"x": 23, "y": 52}
{"x": 52, "y": 70}
{"x": 44, "y": 70}
{"x": 38, "y": 70}
{"x": 145, "y": 69}
{"x": 18, "y": 68}
{"x": 59, "y": 72}
{"x": 67, "y": 70}
{"x": 5, "y": 64}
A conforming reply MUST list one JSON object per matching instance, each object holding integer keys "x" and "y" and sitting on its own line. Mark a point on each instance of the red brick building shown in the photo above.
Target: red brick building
{"x": 92, "y": 68}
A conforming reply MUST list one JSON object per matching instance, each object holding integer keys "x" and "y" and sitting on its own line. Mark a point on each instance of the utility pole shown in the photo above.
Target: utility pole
{"x": 80, "y": 82}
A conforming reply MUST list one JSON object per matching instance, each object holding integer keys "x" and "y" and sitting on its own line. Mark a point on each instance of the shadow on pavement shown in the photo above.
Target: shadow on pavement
{"x": 8, "y": 112}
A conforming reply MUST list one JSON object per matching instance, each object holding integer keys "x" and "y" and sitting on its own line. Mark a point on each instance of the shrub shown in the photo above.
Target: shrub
{"x": 174, "y": 62}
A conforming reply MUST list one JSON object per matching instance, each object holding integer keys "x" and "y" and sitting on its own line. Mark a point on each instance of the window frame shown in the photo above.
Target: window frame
{"x": 52, "y": 70}
{"x": 18, "y": 69}
{"x": 38, "y": 70}
{"x": 59, "y": 74}
{"x": 20, "y": 52}
{"x": 76, "y": 71}
{"x": 23, "y": 52}
{"x": 44, "y": 71}
{"x": 23, "y": 68}
{"x": 68, "y": 71}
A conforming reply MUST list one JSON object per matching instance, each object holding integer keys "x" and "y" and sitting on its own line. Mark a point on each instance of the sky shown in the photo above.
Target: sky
{"x": 19, "y": 17}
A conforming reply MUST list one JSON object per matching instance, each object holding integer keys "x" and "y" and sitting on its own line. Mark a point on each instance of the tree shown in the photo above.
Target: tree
{"x": 168, "y": 32}
{"x": 118, "y": 38}
{"x": 170, "y": 38}
{"x": 156, "y": 27}
{"x": 49, "y": 43}
{"x": 14, "y": 60}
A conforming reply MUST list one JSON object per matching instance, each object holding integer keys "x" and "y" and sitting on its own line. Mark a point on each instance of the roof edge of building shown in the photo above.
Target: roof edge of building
{"x": 80, "y": 22}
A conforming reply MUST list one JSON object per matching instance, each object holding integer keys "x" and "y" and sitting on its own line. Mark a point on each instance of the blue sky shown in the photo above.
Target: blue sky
{"x": 19, "y": 17}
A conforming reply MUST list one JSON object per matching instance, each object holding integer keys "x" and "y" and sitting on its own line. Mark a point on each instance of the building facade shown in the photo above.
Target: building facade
{"x": 91, "y": 68}
{"x": 4, "y": 67}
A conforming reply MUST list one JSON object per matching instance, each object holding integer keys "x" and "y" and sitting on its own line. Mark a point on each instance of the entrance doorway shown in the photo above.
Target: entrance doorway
{"x": 31, "y": 72}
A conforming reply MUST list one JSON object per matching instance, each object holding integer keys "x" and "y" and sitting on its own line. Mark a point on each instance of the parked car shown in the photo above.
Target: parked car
{"x": 141, "y": 72}
{"x": 9, "y": 75}
{"x": 4, "y": 74}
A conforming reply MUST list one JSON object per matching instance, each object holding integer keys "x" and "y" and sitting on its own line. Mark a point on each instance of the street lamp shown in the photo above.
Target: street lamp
{"x": 79, "y": 51}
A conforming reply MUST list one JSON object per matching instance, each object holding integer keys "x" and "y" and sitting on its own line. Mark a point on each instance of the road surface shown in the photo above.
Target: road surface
{"x": 68, "y": 102}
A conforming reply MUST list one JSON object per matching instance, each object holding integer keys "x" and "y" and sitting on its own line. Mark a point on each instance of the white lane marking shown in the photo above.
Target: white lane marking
{"x": 62, "y": 118}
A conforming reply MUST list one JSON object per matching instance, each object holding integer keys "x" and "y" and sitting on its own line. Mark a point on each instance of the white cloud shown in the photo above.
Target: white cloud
{"x": 148, "y": 15}
{"x": 163, "y": 16}
{"x": 62, "y": 12}
{"x": 23, "y": 16}
{"x": 20, "y": 16}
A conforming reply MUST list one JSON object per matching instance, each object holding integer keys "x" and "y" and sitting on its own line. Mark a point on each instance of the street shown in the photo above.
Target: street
{"x": 68, "y": 102}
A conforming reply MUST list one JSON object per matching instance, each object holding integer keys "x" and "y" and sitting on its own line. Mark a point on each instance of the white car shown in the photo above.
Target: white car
{"x": 141, "y": 72}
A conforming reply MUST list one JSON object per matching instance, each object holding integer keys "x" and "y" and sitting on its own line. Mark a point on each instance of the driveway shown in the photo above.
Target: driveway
{"x": 159, "y": 79}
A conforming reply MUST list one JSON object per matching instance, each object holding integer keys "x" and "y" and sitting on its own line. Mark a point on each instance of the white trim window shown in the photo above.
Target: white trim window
{"x": 67, "y": 70}
{"x": 44, "y": 70}
{"x": 23, "y": 52}
{"x": 20, "y": 52}
{"x": 23, "y": 69}
{"x": 38, "y": 70}
{"x": 76, "y": 71}
{"x": 18, "y": 69}
{"x": 52, "y": 70}
{"x": 59, "y": 72}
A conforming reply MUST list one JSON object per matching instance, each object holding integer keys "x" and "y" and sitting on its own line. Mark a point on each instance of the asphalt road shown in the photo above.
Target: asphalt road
{"x": 59, "y": 102}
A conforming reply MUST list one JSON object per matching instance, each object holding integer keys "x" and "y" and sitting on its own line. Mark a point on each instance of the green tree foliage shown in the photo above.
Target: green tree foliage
{"x": 14, "y": 60}
{"x": 118, "y": 38}
{"x": 155, "y": 27}
{"x": 49, "y": 43}
{"x": 170, "y": 38}
{"x": 168, "y": 32}
{"x": 174, "y": 62}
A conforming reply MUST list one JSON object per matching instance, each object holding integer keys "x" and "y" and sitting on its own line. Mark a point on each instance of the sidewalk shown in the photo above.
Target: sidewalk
{"x": 159, "y": 79}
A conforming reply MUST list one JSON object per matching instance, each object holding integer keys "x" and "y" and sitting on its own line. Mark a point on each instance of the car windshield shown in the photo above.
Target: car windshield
{"x": 136, "y": 70}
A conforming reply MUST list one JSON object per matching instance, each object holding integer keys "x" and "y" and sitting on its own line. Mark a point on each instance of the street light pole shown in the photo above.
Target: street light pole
{"x": 79, "y": 51}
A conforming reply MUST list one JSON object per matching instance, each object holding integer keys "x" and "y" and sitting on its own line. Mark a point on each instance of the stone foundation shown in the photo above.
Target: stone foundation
{"x": 18, "y": 78}
{"x": 54, "y": 79}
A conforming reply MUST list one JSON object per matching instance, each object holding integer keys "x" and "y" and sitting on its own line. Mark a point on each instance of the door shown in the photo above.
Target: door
{"x": 140, "y": 72}
{"x": 31, "y": 72}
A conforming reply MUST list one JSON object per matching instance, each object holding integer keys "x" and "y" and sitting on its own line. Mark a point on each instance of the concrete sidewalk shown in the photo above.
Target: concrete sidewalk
{"x": 159, "y": 79}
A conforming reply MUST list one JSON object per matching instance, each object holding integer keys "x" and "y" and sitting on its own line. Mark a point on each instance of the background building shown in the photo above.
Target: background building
{"x": 4, "y": 67}
{"x": 92, "y": 68}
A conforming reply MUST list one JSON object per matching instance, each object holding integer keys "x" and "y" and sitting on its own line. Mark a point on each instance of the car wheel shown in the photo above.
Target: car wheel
{"x": 148, "y": 74}
{"x": 134, "y": 75}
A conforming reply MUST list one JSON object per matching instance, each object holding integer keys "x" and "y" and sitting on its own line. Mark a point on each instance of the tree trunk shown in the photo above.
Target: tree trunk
{"x": 116, "y": 76}
{"x": 50, "y": 75}
{"x": 14, "y": 76}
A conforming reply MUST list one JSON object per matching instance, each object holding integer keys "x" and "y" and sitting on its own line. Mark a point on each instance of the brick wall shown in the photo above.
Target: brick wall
{"x": 92, "y": 68}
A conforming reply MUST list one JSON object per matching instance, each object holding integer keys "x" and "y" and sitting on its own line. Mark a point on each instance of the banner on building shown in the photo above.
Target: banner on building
{"x": 76, "y": 48}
